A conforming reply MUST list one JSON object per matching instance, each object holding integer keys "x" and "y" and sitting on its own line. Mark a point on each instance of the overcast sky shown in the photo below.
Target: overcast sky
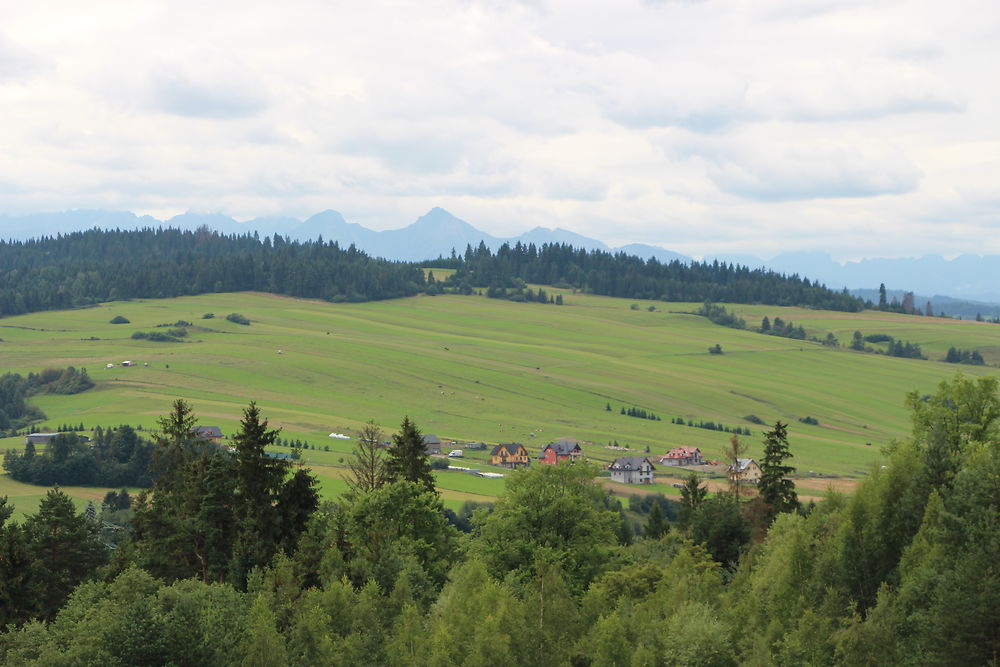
{"x": 858, "y": 128}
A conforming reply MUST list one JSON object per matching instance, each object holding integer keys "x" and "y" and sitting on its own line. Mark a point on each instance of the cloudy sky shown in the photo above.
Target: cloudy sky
{"x": 862, "y": 128}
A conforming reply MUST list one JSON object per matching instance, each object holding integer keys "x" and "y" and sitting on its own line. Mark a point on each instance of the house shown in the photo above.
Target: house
{"x": 632, "y": 470}
{"x": 561, "y": 450}
{"x": 39, "y": 438}
{"x": 432, "y": 444}
{"x": 211, "y": 433}
{"x": 745, "y": 470}
{"x": 682, "y": 456}
{"x": 510, "y": 455}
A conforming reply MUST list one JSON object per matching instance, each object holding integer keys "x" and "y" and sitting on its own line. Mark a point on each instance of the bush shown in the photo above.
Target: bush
{"x": 715, "y": 349}
{"x": 754, "y": 419}
{"x": 878, "y": 338}
{"x": 439, "y": 464}
{"x": 812, "y": 421}
{"x": 208, "y": 316}
{"x": 156, "y": 336}
{"x": 238, "y": 319}
{"x": 118, "y": 319}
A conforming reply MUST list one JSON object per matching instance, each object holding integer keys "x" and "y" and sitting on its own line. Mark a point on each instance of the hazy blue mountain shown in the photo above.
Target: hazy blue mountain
{"x": 542, "y": 235}
{"x": 968, "y": 277}
{"x": 644, "y": 251}
{"x": 963, "y": 308}
{"x": 23, "y": 227}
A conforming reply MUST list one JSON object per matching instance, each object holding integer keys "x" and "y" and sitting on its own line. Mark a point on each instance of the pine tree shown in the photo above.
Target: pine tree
{"x": 408, "y": 458}
{"x": 775, "y": 487}
{"x": 65, "y": 548}
{"x": 656, "y": 526}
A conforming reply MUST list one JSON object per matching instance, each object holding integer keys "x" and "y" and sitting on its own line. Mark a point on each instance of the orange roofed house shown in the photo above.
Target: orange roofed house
{"x": 682, "y": 456}
{"x": 561, "y": 450}
{"x": 511, "y": 455}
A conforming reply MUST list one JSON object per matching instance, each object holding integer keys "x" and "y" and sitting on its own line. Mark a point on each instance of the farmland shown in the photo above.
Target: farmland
{"x": 477, "y": 369}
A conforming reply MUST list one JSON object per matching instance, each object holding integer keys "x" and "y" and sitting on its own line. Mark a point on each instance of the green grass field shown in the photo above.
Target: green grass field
{"x": 476, "y": 369}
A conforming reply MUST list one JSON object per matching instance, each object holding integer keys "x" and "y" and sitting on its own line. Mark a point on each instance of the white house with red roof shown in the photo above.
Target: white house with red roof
{"x": 682, "y": 456}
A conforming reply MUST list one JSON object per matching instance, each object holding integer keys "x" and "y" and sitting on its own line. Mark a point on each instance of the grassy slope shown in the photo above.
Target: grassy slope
{"x": 469, "y": 368}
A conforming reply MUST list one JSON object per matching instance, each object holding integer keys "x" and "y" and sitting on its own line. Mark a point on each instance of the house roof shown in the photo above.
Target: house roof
{"x": 511, "y": 447}
{"x": 631, "y": 463}
{"x": 563, "y": 447}
{"x": 742, "y": 464}
{"x": 207, "y": 431}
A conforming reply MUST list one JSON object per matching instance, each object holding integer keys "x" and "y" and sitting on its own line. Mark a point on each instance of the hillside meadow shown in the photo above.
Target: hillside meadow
{"x": 469, "y": 368}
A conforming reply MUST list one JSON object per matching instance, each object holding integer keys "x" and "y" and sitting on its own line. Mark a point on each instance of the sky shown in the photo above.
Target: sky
{"x": 861, "y": 129}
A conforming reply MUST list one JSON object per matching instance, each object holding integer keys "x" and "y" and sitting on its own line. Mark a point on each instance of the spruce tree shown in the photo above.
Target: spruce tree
{"x": 656, "y": 525}
{"x": 775, "y": 487}
{"x": 408, "y": 458}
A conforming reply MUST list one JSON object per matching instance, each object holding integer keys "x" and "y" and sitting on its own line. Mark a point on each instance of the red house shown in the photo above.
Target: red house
{"x": 560, "y": 450}
{"x": 682, "y": 456}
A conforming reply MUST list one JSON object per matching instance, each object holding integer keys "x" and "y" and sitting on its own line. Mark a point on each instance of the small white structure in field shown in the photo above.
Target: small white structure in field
{"x": 110, "y": 366}
{"x": 281, "y": 351}
{"x": 126, "y": 363}
{"x": 340, "y": 436}
{"x": 145, "y": 363}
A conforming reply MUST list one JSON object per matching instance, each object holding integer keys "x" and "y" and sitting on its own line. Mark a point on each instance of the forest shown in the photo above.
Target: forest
{"x": 232, "y": 559}
{"x": 85, "y": 268}
{"x": 621, "y": 275}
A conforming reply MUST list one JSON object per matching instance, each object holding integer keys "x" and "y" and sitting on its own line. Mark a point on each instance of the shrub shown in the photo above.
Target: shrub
{"x": 238, "y": 319}
{"x": 118, "y": 319}
{"x": 208, "y": 316}
{"x": 754, "y": 419}
{"x": 812, "y": 421}
{"x": 715, "y": 349}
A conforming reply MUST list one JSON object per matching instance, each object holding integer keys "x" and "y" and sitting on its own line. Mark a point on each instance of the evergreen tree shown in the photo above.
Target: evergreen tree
{"x": 656, "y": 525}
{"x": 776, "y": 488}
{"x": 692, "y": 495}
{"x": 65, "y": 549}
{"x": 408, "y": 459}
{"x": 883, "y": 304}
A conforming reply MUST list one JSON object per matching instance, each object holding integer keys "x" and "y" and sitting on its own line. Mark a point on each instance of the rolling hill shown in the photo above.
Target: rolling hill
{"x": 469, "y": 368}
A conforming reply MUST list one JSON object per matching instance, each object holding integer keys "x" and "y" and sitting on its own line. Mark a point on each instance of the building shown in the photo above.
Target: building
{"x": 682, "y": 456}
{"x": 511, "y": 455}
{"x": 39, "y": 438}
{"x": 560, "y": 450}
{"x": 211, "y": 433}
{"x": 744, "y": 470}
{"x": 632, "y": 470}
{"x": 432, "y": 444}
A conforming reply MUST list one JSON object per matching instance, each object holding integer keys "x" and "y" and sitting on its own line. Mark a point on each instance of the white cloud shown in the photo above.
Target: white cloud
{"x": 701, "y": 125}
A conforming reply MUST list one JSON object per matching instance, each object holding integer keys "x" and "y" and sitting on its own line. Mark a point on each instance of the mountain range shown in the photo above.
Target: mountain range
{"x": 438, "y": 232}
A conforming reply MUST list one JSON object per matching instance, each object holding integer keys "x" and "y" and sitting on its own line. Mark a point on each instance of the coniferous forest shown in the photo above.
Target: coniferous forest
{"x": 84, "y": 268}
{"x": 231, "y": 559}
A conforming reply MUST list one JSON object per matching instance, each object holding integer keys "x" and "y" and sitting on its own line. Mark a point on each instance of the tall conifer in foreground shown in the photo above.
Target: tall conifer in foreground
{"x": 408, "y": 460}
{"x": 776, "y": 488}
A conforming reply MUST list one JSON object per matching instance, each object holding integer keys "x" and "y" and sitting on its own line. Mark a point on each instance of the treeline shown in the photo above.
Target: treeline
{"x": 84, "y": 268}
{"x": 711, "y": 426}
{"x": 957, "y": 356}
{"x": 626, "y": 276}
{"x": 894, "y": 348}
{"x": 782, "y": 328}
{"x": 15, "y": 413}
{"x": 901, "y": 573}
{"x": 111, "y": 457}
